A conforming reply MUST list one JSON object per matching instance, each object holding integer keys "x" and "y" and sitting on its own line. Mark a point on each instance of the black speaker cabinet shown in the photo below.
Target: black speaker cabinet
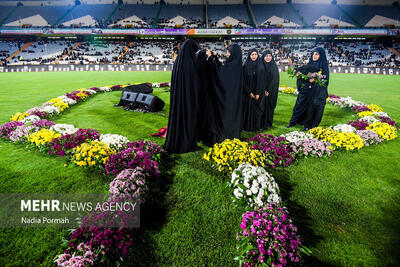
{"x": 149, "y": 103}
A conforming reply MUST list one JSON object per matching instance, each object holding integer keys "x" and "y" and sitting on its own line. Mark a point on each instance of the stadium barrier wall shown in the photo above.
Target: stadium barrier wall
{"x": 160, "y": 67}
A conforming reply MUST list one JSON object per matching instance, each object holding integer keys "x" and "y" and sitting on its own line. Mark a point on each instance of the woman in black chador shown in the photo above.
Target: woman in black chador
{"x": 227, "y": 82}
{"x": 271, "y": 88}
{"x": 253, "y": 98}
{"x": 184, "y": 101}
{"x": 309, "y": 98}
{"x": 319, "y": 92}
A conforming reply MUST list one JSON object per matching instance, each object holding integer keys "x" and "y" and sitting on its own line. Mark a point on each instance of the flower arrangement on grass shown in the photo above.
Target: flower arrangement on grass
{"x": 30, "y": 119}
{"x": 51, "y": 110}
{"x": 8, "y": 127}
{"x": 268, "y": 237}
{"x": 359, "y": 124}
{"x": 276, "y": 149}
{"x": 105, "y": 89}
{"x": 384, "y": 130}
{"x": 114, "y": 140}
{"x": 40, "y": 114}
{"x": 64, "y": 128}
{"x": 67, "y": 100}
{"x": 147, "y": 146}
{"x": 229, "y": 154}
{"x": 44, "y": 124}
{"x": 369, "y": 119}
{"x": 253, "y": 186}
{"x": 19, "y": 116}
{"x": 132, "y": 182}
{"x": 42, "y": 138}
{"x": 347, "y": 141}
{"x": 295, "y": 136}
{"x": 61, "y": 105}
{"x": 344, "y": 128}
{"x": 312, "y": 147}
{"x": 369, "y": 137}
{"x": 374, "y": 108}
{"x": 287, "y": 90}
{"x": 92, "y": 153}
{"x": 63, "y": 145}
{"x": 358, "y": 109}
{"x": 389, "y": 121}
{"x": 321, "y": 133}
{"x": 21, "y": 132}
{"x": 102, "y": 239}
{"x": 380, "y": 114}
{"x": 364, "y": 114}
{"x": 130, "y": 158}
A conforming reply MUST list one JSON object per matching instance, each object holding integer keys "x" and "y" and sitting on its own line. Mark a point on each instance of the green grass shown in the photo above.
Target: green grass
{"x": 346, "y": 206}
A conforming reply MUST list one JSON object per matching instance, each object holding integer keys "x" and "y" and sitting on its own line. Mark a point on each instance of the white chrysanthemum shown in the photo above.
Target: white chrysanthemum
{"x": 105, "y": 89}
{"x": 114, "y": 140}
{"x": 93, "y": 92}
{"x": 67, "y": 100}
{"x": 369, "y": 119}
{"x": 381, "y": 114}
{"x": 295, "y": 136}
{"x": 155, "y": 85}
{"x": 344, "y": 128}
{"x": 51, "y": 110}
{"x": 64, "y": 128}
{"x": 261, "y": 187}
{"x": 349, "y": 103}
{"x": 30, "y": 119}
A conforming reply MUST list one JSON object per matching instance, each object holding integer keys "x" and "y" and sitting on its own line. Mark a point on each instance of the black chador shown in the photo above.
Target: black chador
{"x": 319, "y": 93}
{"x": 304, "y": 98}
{"x": 184, "y": 101}
{"x": 271, "y": 88}
{"x": 253, "y": 100}
{"x": 227, "y": 83}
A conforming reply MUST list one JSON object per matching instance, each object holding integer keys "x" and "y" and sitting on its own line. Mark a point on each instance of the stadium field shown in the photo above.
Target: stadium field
{"x": 346, "y": 206}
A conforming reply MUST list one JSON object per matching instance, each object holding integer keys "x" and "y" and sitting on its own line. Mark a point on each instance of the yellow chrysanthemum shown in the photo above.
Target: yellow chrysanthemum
{"x": 19, "y": 116}
{"x": 384, "y": 130}
{"x": 375, "y": 108}
{"x": 42, "y": 137}
{"x": 91, "y": 154}
{"x": 365, "y": 113}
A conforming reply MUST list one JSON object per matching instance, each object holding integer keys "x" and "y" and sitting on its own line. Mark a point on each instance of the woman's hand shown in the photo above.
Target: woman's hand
{"x": 257, "y": 97}
{"x": 252, "y": 95}
{"x": 311, "y": 80}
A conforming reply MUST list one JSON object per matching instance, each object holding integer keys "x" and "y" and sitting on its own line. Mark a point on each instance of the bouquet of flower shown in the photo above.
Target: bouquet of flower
{"x": 369, "y": 137}
{"x": 130, "y": 159}
{"x": 295, "y": 136}
{"x": 306, "y": 73}
{"x": 269, "y": 238}
{"x": 132, "y": 182}
{"x": 64, "y": 128}
{"x": 312, "y": 147}
{"x": 229, "y": 154}
{"x": 384, "y": 130}
{"x": 276, "y": 149}
{"x": 8, "y": 127}
{"x": 254, "y": 186}
{"x": 114, "y": 140}
{"x": 92, "y": 153}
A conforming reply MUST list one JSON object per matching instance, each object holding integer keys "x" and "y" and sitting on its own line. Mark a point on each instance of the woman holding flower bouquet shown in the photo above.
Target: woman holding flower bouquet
{"x": 312, "y": 82}
{"x": 320, "y": 91}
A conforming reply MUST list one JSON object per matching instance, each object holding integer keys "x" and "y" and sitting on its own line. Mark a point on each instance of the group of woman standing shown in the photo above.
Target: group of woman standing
{"x": 211, "y": 102}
